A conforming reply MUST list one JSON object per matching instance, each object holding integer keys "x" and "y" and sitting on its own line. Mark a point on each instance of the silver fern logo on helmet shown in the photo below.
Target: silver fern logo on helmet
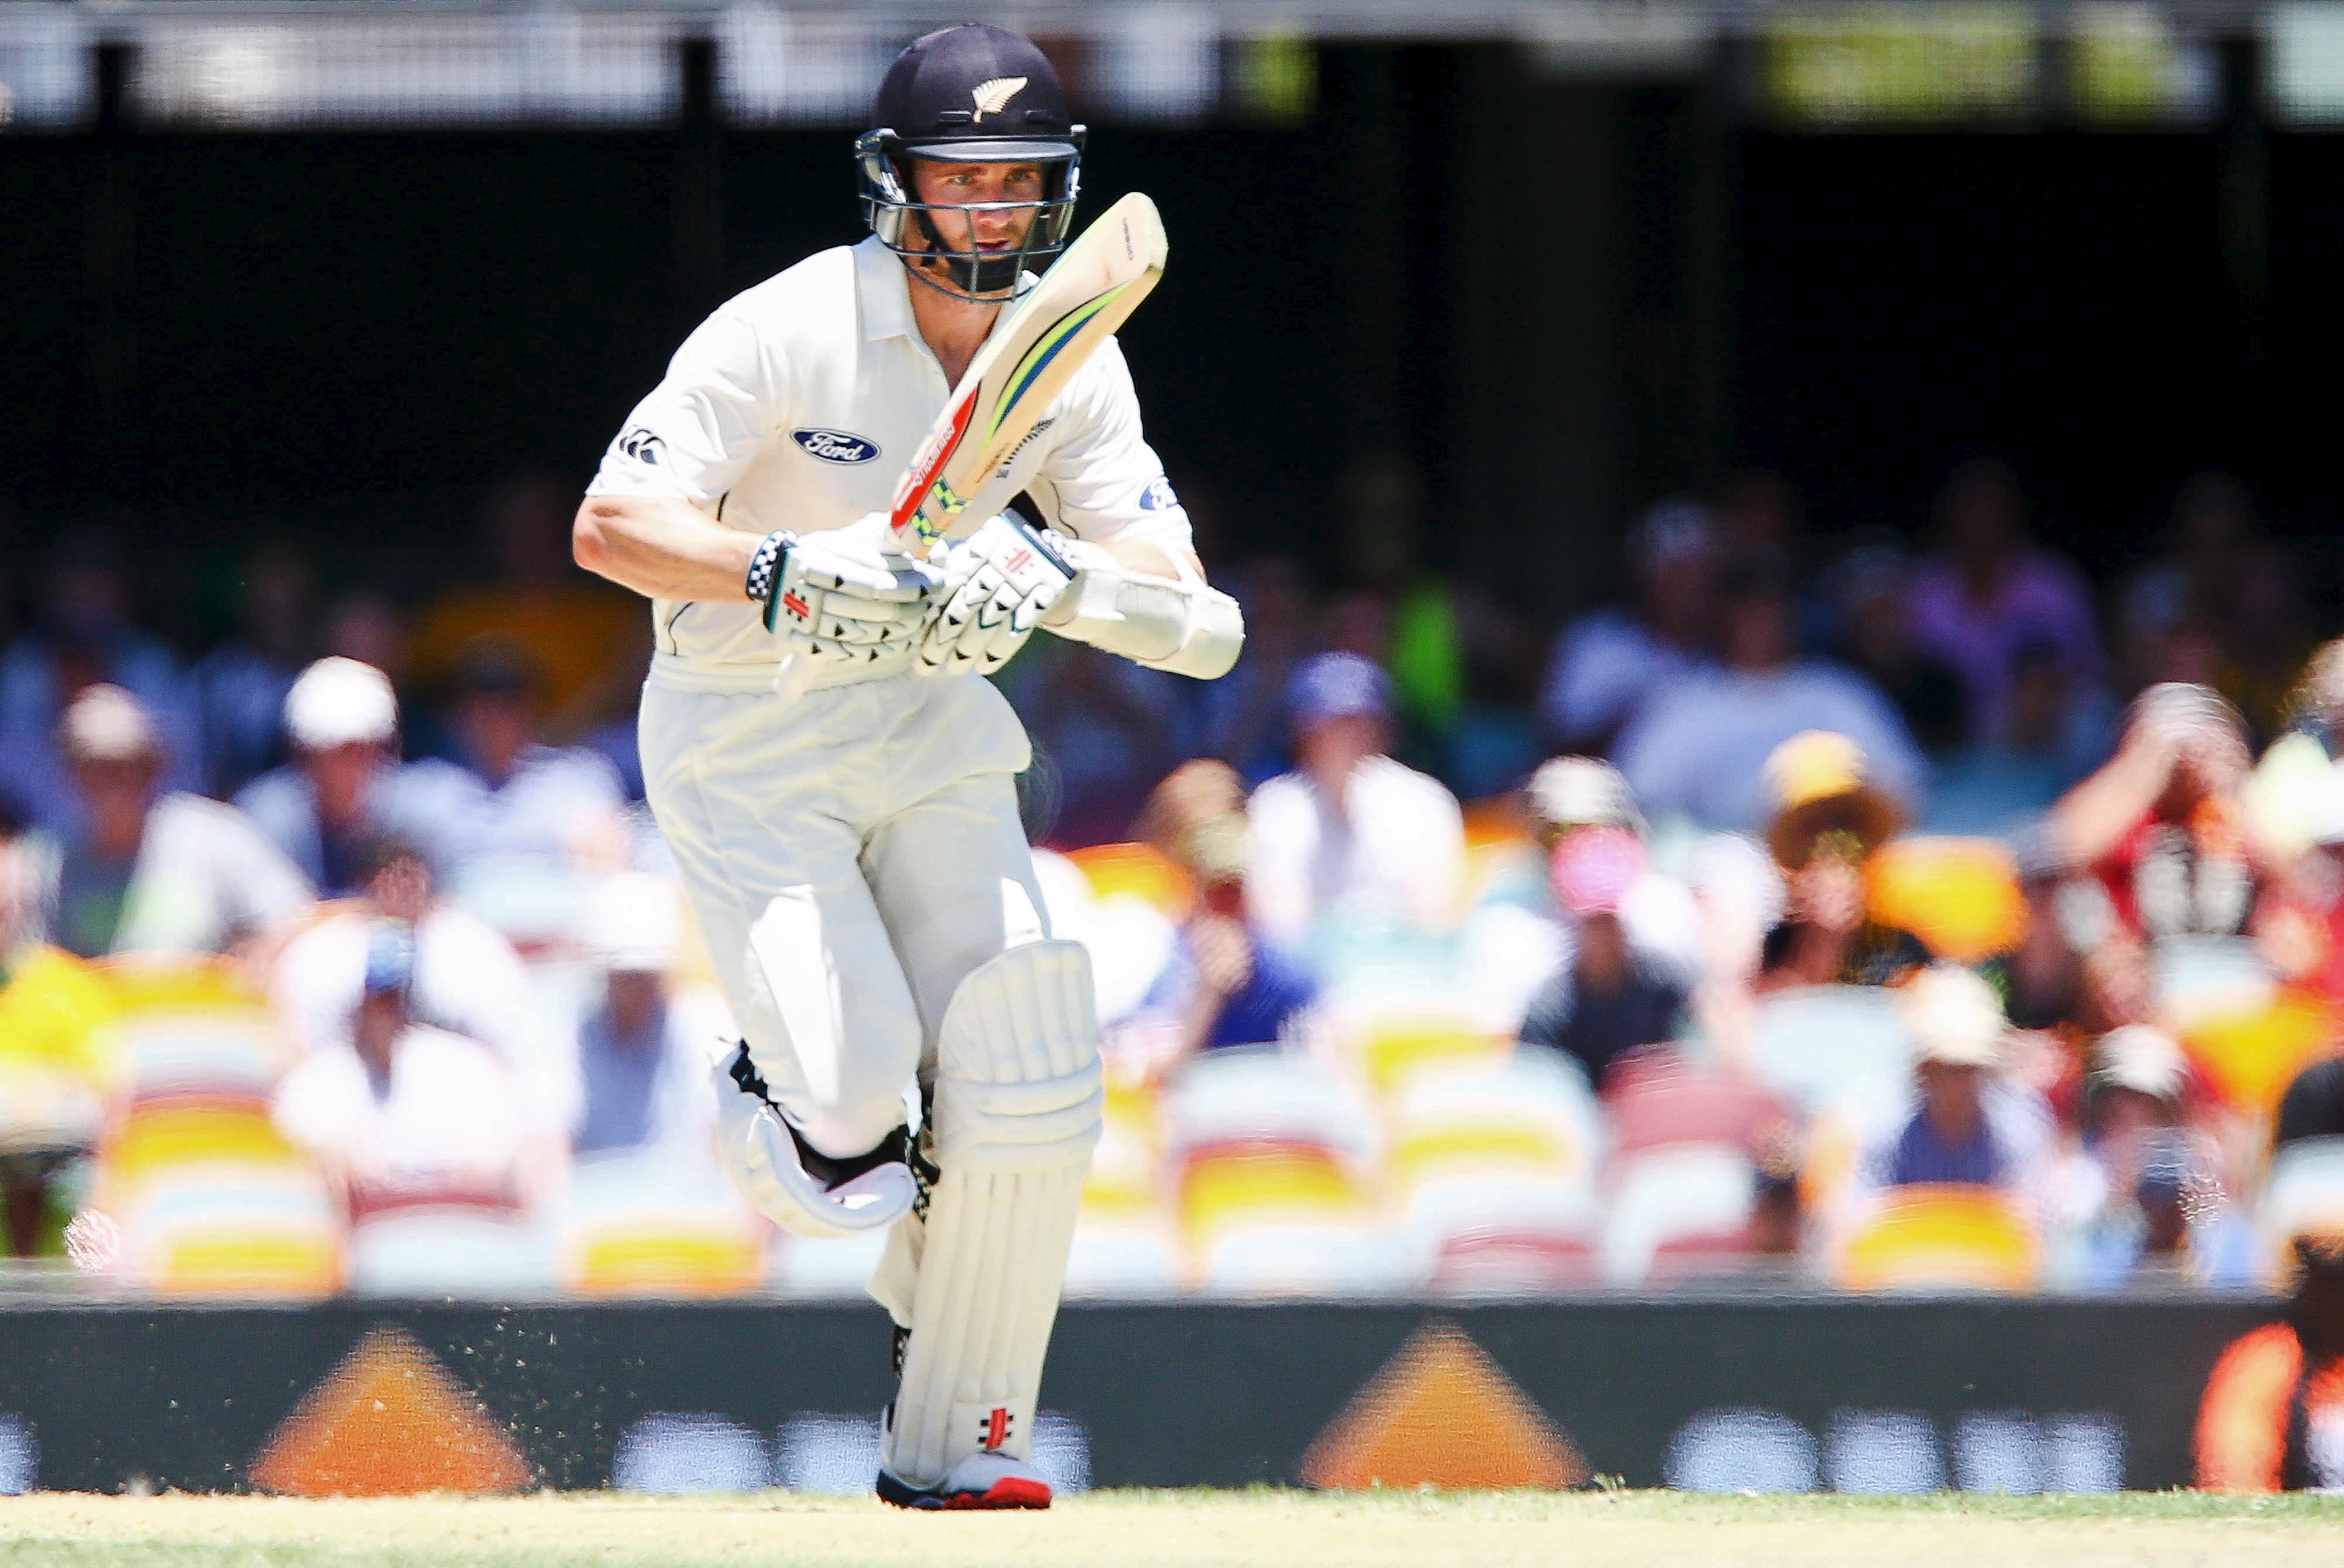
{"x": 994, "y": 96}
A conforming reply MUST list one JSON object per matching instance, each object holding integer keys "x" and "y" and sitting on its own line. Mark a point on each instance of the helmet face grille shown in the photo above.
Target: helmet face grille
{"x": 925, "y": 231}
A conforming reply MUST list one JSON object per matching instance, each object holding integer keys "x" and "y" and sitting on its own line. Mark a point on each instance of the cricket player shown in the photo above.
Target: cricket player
{"x": 839, "y": 793}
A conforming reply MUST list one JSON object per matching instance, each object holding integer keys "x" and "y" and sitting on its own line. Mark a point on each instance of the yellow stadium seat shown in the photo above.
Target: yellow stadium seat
{"x": 1959, "y": 895}
{"x": 1270, "y": 1181}
{"x": 1124, "y": 1174}
{"x": 1134, "y": 870}
{"x": 1940, "y": 1237}
{"x": 1387, "y": 1050}
{"x": 2252, "y": 1056}
{"x": 667, "y": 1257}
{"x": 233, "y": 1255}
{"x": 171, "y": 1135}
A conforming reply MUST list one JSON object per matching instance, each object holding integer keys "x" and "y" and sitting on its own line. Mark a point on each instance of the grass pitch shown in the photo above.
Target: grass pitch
{"x": 1143, "y": 1529}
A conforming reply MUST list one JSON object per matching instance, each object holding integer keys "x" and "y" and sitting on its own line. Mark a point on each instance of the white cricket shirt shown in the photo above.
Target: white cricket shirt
{"x": 797, "y": 405}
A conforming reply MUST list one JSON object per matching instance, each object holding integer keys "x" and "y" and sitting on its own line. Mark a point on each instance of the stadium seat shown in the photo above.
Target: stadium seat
{"x": 452, "y": 1249}
{"x": 824, "y": 1270}
{"x": 193, "y": 1027}
{"x": 651, "y": 1225}
{"x": 1134, "y": 870}
{"x": 226, "y": 1232}
{"x": 1959, "y": 895}
{"x": 1946, "y": 1238}
{"x": 1822, "y": 1045}
{"x": 2210, "y": 977}
{"x": 1663, "y": 1100}
{"x": 1122, "y": 1259}
{"x": 2252, "y": 1052}
{"x": 1387, "y": 1047}
{"x": 1263, "y": 1095}
{"x": 1331, "y": 1260}
{"x": 1492, "y": 1171}
{"x": 1678, "y": 1210}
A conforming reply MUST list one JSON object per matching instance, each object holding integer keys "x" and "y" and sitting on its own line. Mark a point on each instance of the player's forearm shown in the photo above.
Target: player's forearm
{"x": 660, "y": 547}
{"x": 1146, "y": 603}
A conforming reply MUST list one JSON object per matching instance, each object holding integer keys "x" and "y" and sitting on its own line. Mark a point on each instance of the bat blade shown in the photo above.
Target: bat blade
{"x": 1051, "y": 332}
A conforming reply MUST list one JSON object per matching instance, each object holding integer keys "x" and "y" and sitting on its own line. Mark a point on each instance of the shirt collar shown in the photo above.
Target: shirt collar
{"x": 881, "y": 292}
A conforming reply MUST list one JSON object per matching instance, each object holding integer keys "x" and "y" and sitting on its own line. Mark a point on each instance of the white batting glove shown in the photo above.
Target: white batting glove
{"x": 996, "y": 585}
{"x": 840, "y": 595}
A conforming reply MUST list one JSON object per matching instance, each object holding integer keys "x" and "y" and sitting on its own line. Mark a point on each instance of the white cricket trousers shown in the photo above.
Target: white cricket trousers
{"x": 852, "y": 854}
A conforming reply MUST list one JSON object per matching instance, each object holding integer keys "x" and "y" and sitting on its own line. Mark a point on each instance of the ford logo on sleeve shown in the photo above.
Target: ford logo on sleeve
{"x": 1158, "y": 494}
{"x": 836, "y": 446}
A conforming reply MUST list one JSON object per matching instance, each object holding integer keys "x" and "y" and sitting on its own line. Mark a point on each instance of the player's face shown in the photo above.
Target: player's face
{"x": 970, "y": 185}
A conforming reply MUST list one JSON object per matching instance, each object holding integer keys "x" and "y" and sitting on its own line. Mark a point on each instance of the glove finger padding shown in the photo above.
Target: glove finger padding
{"x": 1005, "y": 577}
{"x": 840, "y": 562}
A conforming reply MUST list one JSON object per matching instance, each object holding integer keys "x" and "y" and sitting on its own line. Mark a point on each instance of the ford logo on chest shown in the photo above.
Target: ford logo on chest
{"x": 836, "y": 446}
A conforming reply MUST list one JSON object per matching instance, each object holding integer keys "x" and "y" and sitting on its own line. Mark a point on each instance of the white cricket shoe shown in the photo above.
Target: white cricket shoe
{"x": 987, "y": 1479}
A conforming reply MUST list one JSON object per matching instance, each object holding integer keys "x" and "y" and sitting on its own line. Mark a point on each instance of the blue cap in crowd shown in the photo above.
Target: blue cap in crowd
{"x": 1339, "y": 685}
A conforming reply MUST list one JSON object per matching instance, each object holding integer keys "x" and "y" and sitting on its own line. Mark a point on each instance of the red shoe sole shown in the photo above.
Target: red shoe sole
{"x": 1010, "y": 1492}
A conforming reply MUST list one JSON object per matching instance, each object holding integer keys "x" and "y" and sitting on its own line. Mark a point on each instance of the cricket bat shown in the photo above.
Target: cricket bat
{"x": 1092, "y": 290}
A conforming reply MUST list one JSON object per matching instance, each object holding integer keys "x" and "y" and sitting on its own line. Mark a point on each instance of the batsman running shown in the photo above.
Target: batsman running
{"x": 836, "y": 776}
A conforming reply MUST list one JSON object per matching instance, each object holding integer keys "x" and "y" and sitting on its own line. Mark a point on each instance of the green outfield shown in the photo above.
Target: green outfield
{"x": 1140, "y": 1528}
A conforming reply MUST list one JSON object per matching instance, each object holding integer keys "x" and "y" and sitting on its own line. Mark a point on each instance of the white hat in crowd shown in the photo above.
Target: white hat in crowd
{"x": 340, "y": 702}
{"x": 2142, "y": 1059}
{"x": 1583, "y": 792}
{"x": 107, "y": 724}
{"x": 1953, "y": 1016}
{"x": 634, "y": 923}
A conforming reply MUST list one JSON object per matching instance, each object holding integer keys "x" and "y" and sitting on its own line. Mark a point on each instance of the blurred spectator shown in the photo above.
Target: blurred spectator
{"x": 1698, "y": 747}
{"x": 1987, "y": 590}
{"x": 2052, "y": 735}
{"x": 1351, "y": 837}
{"x": 1609, "y": 999}
{"x": 463, "y": 976}
{"x": 2299, "y": 922}
{"x": 2042, "y": 977}
{"x": 1571, "y": 795}
{"x": 509, "y": 804}
{"x": 643, "y": 1052}
{"x": 2148, "y": 1189}
{"x": 609, "y": 708}
{"x": 1829, "y": 818}
{"x": 2192, "y": 584}
{"x": 2297, "y": 792}
{"x": 1877, "y": 640}
{"x": 570, "y": 627}
{"x": 240, "y": 685}
{"x": 2162, "y": 826}
{"x": 1245, "y": 710}
{"x": 55, "y": 1067}
{"x": 345, "y": 786}
{"x": 1394, "y": 610}
{"x": 2272, "y": 1416}
{"x": 1969, "y": 1125}
{"x": 145, "y": 870}
{"x": 1498, "y": 737}
{"x": 83, "y": 637}
{"x": 1110, "y": 728}
{"x": 2268, "y": 637}
{"x": 1609, "y": 663}
{"x": 1225, "y": 984}
{"x": 398, "y": 1112}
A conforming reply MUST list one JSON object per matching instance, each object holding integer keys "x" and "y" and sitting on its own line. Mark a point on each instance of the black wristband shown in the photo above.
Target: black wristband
{"x": 766, "y": 565}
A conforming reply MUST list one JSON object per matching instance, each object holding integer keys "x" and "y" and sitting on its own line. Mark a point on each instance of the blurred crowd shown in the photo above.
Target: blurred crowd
{"x": 1839, "y": 914}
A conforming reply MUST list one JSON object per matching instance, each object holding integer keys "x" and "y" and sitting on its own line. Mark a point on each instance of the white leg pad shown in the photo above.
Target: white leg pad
{"x": 1017, "y": 1103}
